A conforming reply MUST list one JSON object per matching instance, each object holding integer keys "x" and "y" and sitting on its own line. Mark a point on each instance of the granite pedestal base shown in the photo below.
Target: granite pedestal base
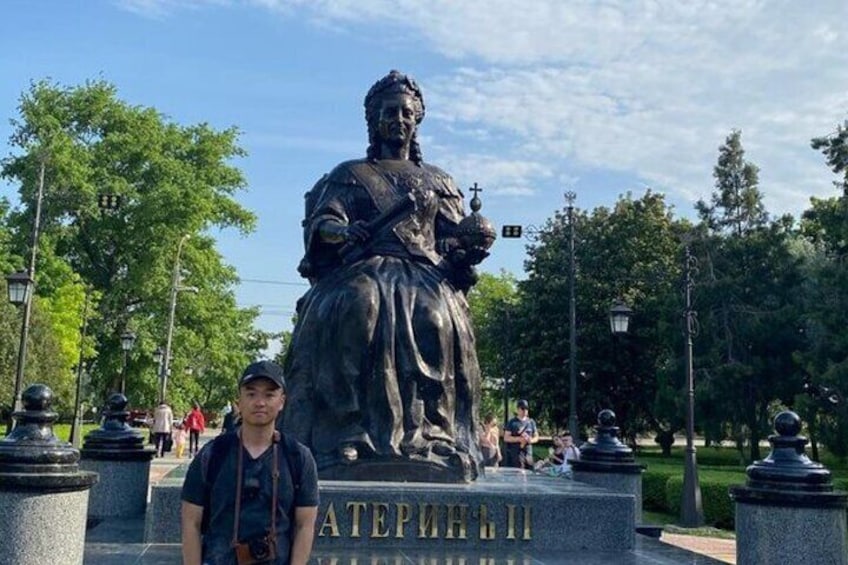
{"x": 122, "y": 490}
{"x": 784, "y": 534}
{"x": 163, "y": 510}
{"x": 627, "y": 483}
{"x": 37, "y": 528}
{"x": 505, "y": 510}
{"x": 508, "y": 510}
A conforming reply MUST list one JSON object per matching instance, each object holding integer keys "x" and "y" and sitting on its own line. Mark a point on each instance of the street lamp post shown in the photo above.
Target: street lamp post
{"x": 691, "y": 510}
{"x": 157, "y": 358}
{"x": 164, "y": 368}
{"x": 127, "y": 342}
{"x": 620, "y": 316}
{"x": 76, "y": 425}
{"x": 27, "y": 304}
{"x": 570, "y": 196}
{"x": 20, "y": 290}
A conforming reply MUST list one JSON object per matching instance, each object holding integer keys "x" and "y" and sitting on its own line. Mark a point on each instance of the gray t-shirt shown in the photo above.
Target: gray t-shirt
{"x": 255, "y": 512}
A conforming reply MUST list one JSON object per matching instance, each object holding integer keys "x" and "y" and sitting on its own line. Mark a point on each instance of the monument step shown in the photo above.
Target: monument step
{"x": 647, "y": 551}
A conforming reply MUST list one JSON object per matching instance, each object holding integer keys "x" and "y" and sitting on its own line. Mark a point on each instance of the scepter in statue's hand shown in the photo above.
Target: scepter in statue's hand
{"x": 361, "y": 234}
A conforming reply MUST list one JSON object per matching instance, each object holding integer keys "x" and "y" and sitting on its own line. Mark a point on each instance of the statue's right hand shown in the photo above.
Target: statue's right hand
{"x": 356, "y": 232}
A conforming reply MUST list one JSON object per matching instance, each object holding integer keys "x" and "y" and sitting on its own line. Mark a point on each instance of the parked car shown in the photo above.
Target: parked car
{"x": 140, "y": 419}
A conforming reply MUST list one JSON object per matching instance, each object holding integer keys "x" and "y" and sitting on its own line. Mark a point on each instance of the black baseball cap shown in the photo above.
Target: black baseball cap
{"x": 524, "y": 404}
{"x": 263, "y": 370}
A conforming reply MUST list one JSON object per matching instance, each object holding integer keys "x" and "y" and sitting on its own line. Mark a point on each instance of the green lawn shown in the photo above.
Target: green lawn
{"x": 719, "y": 468}
{"x": 63, "y": 431}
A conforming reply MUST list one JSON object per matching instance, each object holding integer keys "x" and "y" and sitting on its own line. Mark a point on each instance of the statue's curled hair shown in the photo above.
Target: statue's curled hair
{"x": 393, "y": 83}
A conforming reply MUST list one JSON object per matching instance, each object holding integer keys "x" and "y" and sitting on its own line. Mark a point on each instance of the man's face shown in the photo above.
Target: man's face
{"x": 522, "y": 412}
{"x": 260, "y": 401}
{"x": 397, "y": 119}
{"x": 566, "y": 441}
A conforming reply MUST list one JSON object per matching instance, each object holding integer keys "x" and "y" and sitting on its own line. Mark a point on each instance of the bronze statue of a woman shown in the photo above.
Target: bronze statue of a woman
{"x": 382, "y": 373}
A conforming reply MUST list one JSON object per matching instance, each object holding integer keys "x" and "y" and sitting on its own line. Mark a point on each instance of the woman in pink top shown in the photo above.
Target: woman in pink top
{"x": 196, "y": 424}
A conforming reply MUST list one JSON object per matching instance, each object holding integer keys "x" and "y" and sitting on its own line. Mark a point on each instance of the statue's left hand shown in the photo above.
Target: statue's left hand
{"x": 356, "y": 232}
{"x": 475, "y": 255}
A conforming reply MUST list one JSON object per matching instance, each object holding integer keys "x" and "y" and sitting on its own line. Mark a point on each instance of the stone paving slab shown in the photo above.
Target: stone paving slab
{"x": 646, "y": 552}
{"x": 721, "y": 549}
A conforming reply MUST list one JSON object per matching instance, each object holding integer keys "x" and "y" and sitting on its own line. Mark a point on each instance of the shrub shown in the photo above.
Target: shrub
{"x": 840, "y": 484}
{"x": 654, "y": 490}
{"x": 718, "y": 456}
{"x": 719, "y": 509}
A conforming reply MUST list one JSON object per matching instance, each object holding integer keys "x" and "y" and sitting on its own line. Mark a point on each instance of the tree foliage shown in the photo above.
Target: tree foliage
{"x": 171, "y": 180}
{"x": 748, "y": 301}
{"x": 835, "y": 149}
{"x": 825, "y": 364}
{"x": 492, "y": 301}
{"x": 624, "y": 253}
{"x": 737, "y": 204}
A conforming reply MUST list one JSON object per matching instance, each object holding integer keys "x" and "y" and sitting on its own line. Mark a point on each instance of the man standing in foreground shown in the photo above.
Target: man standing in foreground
{"x": 520, "y": 434}
{"x": 239, "y": 477}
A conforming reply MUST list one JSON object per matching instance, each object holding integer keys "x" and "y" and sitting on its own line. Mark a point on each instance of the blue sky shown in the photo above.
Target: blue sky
{"x": 528, "y": 99}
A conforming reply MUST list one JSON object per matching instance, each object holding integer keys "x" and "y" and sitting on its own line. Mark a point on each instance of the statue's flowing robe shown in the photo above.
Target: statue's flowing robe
{"x": 382, "y": 355}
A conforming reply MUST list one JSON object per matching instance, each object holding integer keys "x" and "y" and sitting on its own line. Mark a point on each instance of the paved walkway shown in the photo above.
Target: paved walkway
{"x": 717, "y": 548}
{"x": 160, "y": 466}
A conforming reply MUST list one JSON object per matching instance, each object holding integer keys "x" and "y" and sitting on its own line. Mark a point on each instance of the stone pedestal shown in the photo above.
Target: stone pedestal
{"x": 43, "y": 494}
{"x": 608, "y": 463}
{"x": 788, "y": 511}
{"x": 507, "y": 511}
{"x": 117, "y": 452}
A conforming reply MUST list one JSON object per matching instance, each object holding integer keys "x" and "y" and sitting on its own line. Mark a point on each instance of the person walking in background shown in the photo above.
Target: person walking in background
{"x": 180, "y": 435}
{"x": 232, "y": 419}
{"x": 490, "y": 441}
{"x": 196, "y": 425}
{"x": 163, "y": 420}
{"x": 520, "y": 434}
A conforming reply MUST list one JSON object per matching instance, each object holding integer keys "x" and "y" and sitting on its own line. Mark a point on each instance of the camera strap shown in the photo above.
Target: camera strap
{"x": 275, "y": 479}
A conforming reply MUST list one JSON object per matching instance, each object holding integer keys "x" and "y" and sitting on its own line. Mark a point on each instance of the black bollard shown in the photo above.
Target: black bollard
{"x": 606, "y": 462}
{"x": 117, "y": 452}
{"x": 788, "y": 511}
{"x": 41, "y": 486}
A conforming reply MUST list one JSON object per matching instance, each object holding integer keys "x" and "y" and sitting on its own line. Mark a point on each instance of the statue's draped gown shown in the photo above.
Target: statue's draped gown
{"x": 382, "y": 356}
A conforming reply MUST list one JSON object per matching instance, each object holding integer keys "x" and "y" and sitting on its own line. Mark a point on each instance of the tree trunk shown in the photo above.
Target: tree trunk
{"x": 665, "y": 439}
{"x": 814, "y": 444}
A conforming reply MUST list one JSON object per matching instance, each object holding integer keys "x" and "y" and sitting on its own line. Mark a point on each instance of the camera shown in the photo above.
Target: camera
{"x": 257, "y": 550}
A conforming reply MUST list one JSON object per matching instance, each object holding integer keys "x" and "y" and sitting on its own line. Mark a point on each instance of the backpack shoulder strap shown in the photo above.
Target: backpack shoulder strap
{"x": 211, "y": 461}
{"x": 294, "y": 459}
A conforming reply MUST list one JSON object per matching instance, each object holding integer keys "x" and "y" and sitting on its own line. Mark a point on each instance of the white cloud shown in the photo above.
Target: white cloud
{"x": 542, "y": 89}
{"x": 494, "y": 174}
{"x": 650, "y": 89}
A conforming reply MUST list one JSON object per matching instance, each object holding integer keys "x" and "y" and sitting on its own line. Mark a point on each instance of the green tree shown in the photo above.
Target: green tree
{"x": 749, "y": 306}
{"x": 491, "y": 301}
{"x": 825, "y": 226}
{"x": 51, "y": 336}
{"x": 623, "y": 253}
{"x": 172, "y": 180}
{"x": 835, "y": 149}
{"x": 737, "y": 204}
